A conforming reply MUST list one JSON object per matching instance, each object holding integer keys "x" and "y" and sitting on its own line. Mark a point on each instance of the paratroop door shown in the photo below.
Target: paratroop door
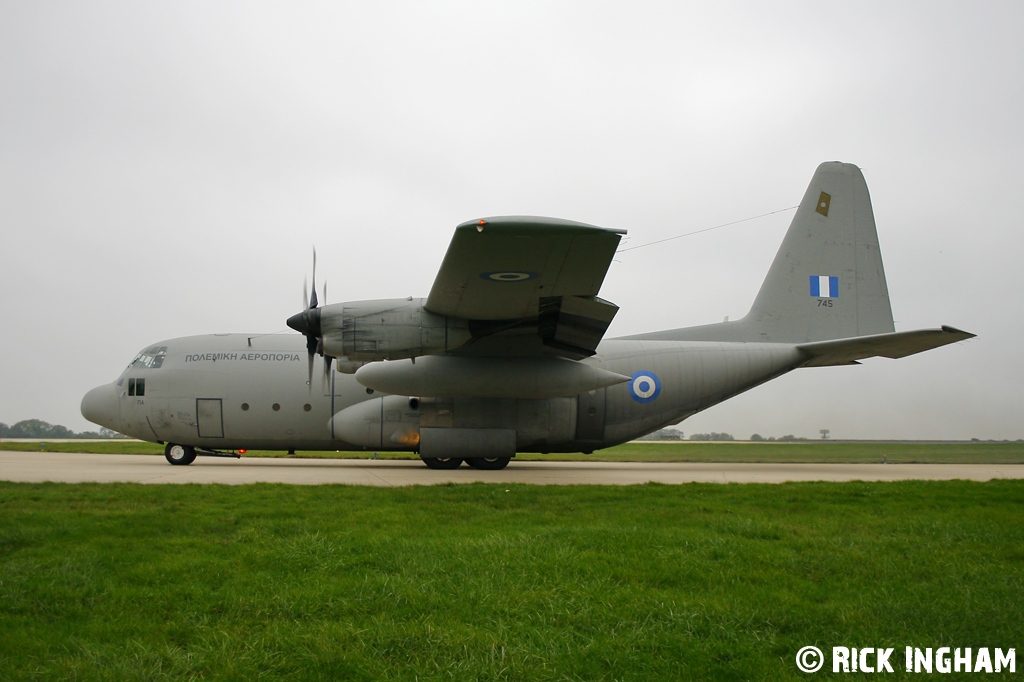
{"x": 211, "y": 417}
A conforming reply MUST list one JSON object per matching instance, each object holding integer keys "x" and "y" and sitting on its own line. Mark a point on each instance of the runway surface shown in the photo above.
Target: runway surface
{"x": 60, "y": 467}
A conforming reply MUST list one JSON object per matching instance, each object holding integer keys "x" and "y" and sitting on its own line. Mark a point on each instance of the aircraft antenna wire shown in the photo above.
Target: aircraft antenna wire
{"x": 707, "y": 229}
{"x": 260, "y": 336}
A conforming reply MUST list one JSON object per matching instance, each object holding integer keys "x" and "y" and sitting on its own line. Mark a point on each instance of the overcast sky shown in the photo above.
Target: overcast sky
{"x": 165, "y": 169}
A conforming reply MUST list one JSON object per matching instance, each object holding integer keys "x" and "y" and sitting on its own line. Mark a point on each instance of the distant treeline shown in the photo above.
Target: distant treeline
{"x": 37, "y": 428}
{"x": 714, "y": 435}
{"x": 675, "y": 434}
{"x": 755, "y": 437}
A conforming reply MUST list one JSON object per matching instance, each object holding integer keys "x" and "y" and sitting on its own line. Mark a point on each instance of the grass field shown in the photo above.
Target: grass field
{"x": 683, "y": 451}
{"x": 506, "y": 582}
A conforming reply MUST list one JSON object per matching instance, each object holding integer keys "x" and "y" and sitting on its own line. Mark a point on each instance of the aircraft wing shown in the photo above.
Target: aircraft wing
{"x": 531, "y": 283}
{"x": 894, "y": 345}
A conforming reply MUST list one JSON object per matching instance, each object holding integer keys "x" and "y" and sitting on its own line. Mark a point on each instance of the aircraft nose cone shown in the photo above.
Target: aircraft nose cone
{"x": 100, "y": 407}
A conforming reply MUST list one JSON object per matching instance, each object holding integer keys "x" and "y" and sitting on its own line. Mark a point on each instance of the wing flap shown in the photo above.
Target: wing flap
{"x": 573, "y": 325}
{"x": 895, "y": 345}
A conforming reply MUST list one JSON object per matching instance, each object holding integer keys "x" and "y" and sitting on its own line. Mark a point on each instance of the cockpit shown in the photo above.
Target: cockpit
{"x": 151, "y": 358}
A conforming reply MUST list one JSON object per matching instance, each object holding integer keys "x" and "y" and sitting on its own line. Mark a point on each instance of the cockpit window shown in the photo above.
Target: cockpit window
{"x": 151, "y": 358}
{"x": 137, "y": 387}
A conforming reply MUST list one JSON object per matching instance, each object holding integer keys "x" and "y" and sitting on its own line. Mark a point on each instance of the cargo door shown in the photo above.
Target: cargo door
{"x": 210, "y": 416}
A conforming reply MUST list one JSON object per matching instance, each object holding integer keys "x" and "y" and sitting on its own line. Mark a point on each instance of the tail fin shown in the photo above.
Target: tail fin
{"x": 826, "y": 281}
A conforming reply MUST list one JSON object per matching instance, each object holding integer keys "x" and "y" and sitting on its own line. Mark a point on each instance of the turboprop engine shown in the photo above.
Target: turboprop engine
{"x": 386, "y": 329}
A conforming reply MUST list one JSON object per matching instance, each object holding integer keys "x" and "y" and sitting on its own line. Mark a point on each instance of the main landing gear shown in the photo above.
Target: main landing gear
{"x": 488, "y": 463}
{"x": 442, "y": 462}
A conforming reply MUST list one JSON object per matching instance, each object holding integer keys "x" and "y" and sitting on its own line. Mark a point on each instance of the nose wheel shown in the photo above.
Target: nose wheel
{"x": 180, "y": 455}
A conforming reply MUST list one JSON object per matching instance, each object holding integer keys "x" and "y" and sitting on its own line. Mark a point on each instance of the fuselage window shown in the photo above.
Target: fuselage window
{"x": 131, "y": 387}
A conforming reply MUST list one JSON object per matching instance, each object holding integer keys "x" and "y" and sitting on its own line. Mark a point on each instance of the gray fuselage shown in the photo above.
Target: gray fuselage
{"x": 235, "y": 391}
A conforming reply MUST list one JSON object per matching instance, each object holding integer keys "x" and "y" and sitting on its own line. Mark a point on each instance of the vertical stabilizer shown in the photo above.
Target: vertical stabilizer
{"x": 826, "y": 281}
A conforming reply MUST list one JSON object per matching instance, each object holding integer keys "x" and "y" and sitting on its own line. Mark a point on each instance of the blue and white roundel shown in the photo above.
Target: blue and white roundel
{"x": 509, "y": 276}
{"x": 644, "y": 386}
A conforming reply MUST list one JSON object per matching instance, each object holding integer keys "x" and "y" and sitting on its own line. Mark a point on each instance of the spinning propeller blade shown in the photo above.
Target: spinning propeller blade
{"x": 307, "y": 322}
{"x": 312, "y": 298}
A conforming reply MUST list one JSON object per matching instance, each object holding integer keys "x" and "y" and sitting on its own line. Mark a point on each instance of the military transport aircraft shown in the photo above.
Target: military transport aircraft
{"x": 506, "y": 353}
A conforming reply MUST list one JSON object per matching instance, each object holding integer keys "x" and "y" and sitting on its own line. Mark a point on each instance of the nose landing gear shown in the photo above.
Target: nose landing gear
{"x": 180, "y": 455}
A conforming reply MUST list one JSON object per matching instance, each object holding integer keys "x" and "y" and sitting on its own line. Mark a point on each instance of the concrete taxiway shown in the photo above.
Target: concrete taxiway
{"x": 80, "y": 468}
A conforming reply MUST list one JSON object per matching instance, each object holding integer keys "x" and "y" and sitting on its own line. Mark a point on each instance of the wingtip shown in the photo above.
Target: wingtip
{"x": 960, "y": 332}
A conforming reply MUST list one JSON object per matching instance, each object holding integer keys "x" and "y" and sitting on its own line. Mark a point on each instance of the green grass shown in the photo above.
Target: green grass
{"x": 812, "y": 451}
{"x": 805, "y": 451}
{"x": 497, "y": 582}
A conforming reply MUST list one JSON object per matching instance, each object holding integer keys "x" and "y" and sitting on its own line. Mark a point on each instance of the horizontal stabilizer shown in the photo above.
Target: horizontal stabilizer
{"x": 894, "y": 345}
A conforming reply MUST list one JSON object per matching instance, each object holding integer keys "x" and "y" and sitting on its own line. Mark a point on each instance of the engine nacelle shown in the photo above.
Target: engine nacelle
{"x": 388, "y": 329}
{"x": 469, "y": 377}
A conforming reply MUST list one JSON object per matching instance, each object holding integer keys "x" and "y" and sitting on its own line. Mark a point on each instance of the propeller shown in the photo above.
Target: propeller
{"x": 307, "y": 323}
{"x": 328, "y": 359}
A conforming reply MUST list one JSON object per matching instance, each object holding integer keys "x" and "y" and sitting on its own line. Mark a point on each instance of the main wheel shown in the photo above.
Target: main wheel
{"x": 442, "y": 462}
{"x": 180, "y": 454}
{"x": 490, "y": 463}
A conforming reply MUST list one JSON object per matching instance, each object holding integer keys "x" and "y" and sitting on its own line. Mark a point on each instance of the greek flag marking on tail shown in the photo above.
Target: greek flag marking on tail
{"x": 824, "y": 286}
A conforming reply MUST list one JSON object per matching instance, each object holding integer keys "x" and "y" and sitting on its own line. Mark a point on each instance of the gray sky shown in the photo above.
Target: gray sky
{"x": 166, "y": 167}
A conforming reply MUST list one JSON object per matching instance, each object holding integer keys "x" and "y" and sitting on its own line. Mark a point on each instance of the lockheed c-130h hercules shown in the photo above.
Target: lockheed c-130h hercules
{"x": 506, "y": 353}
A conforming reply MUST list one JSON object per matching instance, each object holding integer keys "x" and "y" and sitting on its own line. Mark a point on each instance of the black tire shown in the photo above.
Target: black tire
{"x": 180, "y": 455}
{"x": 442, "y": 462}
{"x": 489, "y": 463}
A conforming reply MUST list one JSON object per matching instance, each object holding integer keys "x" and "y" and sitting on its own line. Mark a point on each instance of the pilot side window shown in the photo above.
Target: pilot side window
{"x": 137, "y": 387}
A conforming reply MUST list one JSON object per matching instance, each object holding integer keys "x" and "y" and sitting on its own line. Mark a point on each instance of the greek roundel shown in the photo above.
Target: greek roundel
{"x": 509, "y": 276}
{"x": 644, "y": 386}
